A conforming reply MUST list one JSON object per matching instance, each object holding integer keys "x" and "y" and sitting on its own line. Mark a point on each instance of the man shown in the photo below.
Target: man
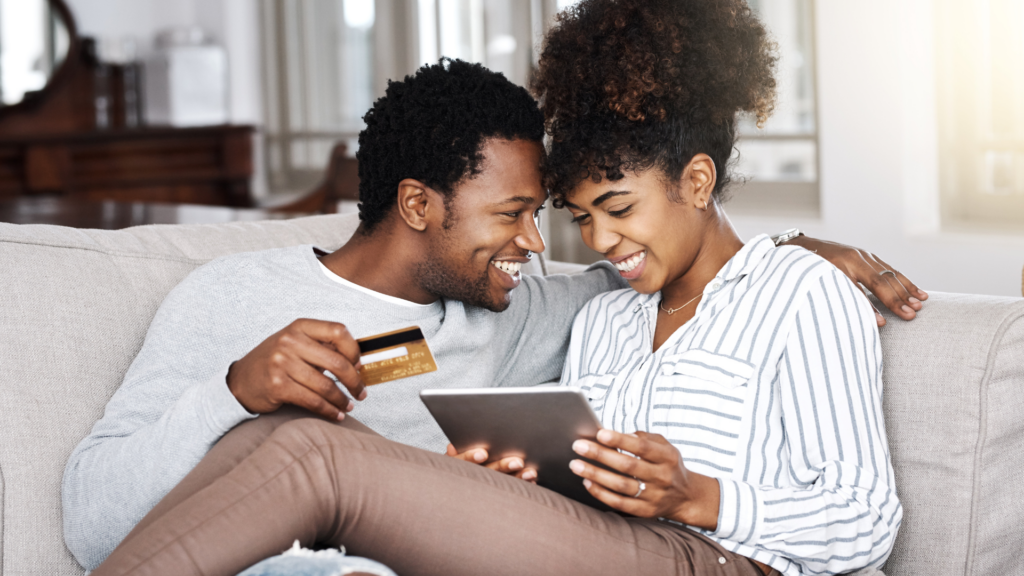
{"x": 449, "y": 165}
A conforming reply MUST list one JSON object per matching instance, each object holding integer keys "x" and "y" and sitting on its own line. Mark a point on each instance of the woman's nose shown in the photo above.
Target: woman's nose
{"x": 602, "y": 239}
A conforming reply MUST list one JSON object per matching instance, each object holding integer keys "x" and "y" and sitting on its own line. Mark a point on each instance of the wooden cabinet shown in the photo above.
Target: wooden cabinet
{"x": 52, "y": 143}
{"x": 208, "y": 165}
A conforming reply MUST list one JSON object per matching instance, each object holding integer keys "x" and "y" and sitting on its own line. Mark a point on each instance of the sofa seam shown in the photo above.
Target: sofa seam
{"x": 979, "y": 450}
{"x": 181, "y": 259}
{"x": 3, "y": 525}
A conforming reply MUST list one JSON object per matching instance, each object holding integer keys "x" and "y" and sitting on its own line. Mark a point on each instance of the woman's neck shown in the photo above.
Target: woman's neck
{"x": 680, "y": 297}
{"x": 719, "y": 244}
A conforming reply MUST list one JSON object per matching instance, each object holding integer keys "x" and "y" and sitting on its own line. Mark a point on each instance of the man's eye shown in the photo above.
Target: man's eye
{"x": 511, "y": 214}
{"x": 539, "y": 210}
{"x": 620, "y": 213}
{"x": 579, "y": 219}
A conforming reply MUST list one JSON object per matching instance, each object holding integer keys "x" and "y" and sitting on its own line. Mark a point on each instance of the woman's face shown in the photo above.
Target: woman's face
{"x": 650, "y": 237}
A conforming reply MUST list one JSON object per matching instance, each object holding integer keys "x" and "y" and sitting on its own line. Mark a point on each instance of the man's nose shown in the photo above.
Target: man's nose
{"x": 530, "y": 237}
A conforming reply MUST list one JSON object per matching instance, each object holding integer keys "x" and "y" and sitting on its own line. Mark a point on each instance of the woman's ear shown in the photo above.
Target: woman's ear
{"x": 416, "y": 203}
{"x": 700, "y": 177}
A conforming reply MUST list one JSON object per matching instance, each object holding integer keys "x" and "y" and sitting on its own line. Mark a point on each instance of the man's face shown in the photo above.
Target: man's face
{"x": 491, "y": 228}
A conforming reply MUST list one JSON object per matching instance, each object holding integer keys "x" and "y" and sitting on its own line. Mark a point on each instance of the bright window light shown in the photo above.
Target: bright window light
{"x": 359, "y": 14}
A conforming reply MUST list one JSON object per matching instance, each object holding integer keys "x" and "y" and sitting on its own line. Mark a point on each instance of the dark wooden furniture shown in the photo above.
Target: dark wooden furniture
{"x": 52, "y": 143}
{"x": 111, "y": 215}
{"x": 209, "y": 165}
{"x": 341, "y": 182}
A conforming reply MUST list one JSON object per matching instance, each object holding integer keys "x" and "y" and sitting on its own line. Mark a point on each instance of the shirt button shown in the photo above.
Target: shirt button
{"x": 716, "y": 286}
{"x": 721, "y": 560}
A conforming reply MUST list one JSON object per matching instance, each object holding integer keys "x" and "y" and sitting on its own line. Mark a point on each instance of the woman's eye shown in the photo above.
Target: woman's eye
{"x": 579, "y": 219}
{"x": 620, "y": 213}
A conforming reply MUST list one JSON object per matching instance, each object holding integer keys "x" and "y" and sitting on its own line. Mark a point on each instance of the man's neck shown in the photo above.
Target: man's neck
{"x": 382, "y": 262}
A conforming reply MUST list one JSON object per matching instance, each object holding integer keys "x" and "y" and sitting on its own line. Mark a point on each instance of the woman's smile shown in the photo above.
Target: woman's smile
{"x": 631, "y": 266}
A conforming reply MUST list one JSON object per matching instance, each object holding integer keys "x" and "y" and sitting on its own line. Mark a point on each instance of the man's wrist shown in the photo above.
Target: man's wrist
{"x": 786, "y": 235}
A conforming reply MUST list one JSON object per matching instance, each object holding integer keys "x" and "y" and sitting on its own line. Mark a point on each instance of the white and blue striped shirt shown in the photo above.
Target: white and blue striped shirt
{"x": 775, "y": 388}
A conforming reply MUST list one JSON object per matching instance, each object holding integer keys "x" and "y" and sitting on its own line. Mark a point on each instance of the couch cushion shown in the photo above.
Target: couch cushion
{"x": 75, "y": 306}
{"x": 954, "y": 412}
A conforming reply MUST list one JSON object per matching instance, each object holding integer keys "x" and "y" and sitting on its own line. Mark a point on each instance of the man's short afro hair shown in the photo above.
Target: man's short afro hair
{"x": 431, "y": 127}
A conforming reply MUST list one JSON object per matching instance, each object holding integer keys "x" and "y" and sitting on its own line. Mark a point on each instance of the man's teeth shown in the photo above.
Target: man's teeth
{"x": 510, "y": 268}
{"x": 629, "y": 264}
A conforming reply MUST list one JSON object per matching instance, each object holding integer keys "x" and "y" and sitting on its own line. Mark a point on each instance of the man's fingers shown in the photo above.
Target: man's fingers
{"x": 303, "y": 397}
{"x": 325, "y": 358}
{"x": 915, "y": 294}
{"x": 893, "y": 295}
{"x": 321, "y": 385}
{"x": 879, "y": 319}
{"x": 333, "y": 333}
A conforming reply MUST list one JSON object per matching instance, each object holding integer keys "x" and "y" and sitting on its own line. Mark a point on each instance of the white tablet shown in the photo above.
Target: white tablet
{"x": 538, "y": 424}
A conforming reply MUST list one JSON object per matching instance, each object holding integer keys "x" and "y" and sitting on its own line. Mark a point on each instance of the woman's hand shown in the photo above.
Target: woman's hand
{"x": 511, "y": 465}
{"x": 896, "y": 291}
{"x": 669, "y": 489}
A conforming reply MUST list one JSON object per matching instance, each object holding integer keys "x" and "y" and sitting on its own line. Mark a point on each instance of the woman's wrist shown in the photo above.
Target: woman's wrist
{"x": 700, "y": 509}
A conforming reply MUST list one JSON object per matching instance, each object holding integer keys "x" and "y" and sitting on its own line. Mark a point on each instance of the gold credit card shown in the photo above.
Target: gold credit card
{"x": 395, "y": 355}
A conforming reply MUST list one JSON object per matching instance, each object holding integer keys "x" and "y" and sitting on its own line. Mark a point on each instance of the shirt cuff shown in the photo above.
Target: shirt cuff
{"x": 220, "y": 409}
{"x": 739, "y": 512}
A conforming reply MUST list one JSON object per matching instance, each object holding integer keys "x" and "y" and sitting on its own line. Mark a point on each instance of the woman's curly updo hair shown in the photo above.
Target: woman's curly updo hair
{"x": 627, "y": 85}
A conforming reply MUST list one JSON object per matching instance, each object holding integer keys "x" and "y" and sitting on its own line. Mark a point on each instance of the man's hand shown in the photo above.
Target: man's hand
{"x": 511, "y": 465}
{"x": 287, "y": 368}
{"x": 897, "y": 292}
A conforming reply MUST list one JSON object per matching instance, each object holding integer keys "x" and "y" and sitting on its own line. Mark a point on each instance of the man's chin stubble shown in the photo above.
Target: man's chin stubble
{"x": 437, "y": 279}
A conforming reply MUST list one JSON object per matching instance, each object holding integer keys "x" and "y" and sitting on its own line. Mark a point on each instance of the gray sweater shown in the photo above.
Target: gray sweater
{"x": 174, "y": 403}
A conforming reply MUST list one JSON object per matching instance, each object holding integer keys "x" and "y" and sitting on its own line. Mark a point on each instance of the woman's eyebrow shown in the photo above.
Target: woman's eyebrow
{"x": 610, "y": 194}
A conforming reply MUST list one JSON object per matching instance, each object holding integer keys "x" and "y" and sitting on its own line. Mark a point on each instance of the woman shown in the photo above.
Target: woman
{"x": 739, "y": 384}
{"x": 750, "y": 374}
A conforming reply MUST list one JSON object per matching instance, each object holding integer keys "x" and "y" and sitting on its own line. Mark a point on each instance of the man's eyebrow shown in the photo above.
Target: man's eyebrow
{"x": 611, "y": 194}
{"x": 517, "y": 200}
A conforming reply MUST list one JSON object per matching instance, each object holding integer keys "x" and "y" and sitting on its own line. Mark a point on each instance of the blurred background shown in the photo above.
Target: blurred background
{"x": 899, "y": 129}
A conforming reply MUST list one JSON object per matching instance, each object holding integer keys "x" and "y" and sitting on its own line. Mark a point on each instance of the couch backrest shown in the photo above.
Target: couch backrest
{"x": 75, "y": 306}
{"x": 954, "y": 413}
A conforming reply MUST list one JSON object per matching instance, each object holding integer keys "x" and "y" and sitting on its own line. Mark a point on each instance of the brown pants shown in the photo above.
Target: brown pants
{"x": 290, "y": 476}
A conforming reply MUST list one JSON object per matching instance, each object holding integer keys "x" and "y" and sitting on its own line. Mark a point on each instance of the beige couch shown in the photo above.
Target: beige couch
{"x": 75, "y": 304}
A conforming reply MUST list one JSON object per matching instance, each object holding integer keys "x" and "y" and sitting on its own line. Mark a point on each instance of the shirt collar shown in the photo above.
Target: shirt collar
{"x": 748, "y": 258}
{"x": 742, "y": 263}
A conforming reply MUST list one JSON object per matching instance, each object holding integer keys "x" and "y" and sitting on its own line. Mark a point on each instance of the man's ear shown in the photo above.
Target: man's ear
{"x": 418, "y": 204}
{"x": 700, "y": 177}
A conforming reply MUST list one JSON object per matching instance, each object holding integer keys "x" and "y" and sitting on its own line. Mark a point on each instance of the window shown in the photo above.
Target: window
{"x": 318, "y": 64}
{"x": 980, "y": 76}
{"x": 777, "y": 166}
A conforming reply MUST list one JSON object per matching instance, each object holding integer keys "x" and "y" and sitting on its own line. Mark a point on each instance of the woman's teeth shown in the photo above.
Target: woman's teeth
{"x": 510, "y": 268}
{"x": 629, "y": 264}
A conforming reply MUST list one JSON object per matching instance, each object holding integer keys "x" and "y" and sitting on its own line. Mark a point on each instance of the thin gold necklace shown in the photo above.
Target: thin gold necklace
{"x": 672, "y": 311}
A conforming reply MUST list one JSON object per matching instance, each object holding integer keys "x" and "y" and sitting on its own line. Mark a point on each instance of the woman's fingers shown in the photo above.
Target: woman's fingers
{"x": 509, "y": 465}
{"x": 473, "y": 455}
{"x": 624, "y": 485}
{"x": 611, "y": 488}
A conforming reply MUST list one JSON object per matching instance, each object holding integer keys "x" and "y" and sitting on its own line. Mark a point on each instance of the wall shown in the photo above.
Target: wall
{"x": 879, "y": 153}
{"x": 878, "y": 141}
